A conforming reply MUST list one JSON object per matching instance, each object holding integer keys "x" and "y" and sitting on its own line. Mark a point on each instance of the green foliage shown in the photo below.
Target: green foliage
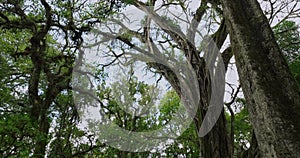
{"x": 168, "y": 106}
{"x": 56, "y": 51}
{"x": 130, "y": 92}
{"x": 242, "y": 128}
{"x": 16, "y": 128}
{"x": 15, "y": 134}
{"x": 19, "y": 131}
{"x": 186, "y": 144}
{"x": 295, "y": 68}
{"x": 288, "y": 37}
{"x": 129, "y": 1}
{"x": 21, "y": 37}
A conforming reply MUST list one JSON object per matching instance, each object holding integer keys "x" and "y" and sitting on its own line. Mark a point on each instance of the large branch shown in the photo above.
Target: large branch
{"x": 220, "y": 35}
{"x": 196, "y": 20}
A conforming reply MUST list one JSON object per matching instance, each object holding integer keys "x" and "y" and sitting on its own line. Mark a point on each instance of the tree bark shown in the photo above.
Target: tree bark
{"x": 272, "y": 96}
{"x": 215, "y": 143}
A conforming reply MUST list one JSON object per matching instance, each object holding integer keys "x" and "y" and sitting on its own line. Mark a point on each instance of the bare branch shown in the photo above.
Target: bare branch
{"x": 196, "y": 20}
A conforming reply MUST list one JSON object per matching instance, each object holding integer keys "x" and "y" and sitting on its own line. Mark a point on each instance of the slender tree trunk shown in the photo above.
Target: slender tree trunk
{"x": 272, "y": 96}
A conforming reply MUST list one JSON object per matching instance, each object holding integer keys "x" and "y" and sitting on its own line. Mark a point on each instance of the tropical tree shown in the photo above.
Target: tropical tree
{"x": 39, "y": 43}
{"x": 43, "y": 41}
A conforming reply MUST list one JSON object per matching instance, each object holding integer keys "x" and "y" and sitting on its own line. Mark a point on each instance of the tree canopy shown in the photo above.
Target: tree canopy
{"x": 147, "y": 66}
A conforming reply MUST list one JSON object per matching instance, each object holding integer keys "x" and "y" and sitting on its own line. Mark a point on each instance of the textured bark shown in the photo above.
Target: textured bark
{"x": 215, "y": 143}
{"x": 272, "y": 96}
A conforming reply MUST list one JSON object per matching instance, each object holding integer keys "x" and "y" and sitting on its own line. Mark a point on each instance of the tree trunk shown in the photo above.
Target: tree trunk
{"x": 272, "y": 96}
{"x": 43, "y": 127}
{"x": 215, "y": 143}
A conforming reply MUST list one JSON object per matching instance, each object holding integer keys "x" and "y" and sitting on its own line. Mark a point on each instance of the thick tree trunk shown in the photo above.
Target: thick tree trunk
{"x": 215, "y": 143}
{"x": 272, "y": 96}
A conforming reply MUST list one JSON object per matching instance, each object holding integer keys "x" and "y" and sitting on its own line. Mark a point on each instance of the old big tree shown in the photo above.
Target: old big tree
{"x": 40, "y": 40}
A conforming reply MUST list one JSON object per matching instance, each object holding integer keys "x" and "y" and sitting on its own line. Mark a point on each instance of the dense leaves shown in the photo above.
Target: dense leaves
{"x": 288, "y": 37}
